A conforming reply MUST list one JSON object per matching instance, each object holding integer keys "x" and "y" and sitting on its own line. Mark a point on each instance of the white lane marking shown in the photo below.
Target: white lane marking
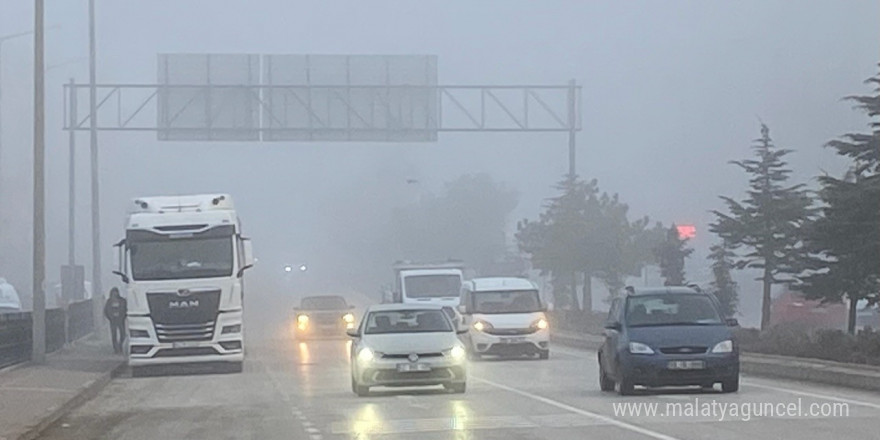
{"x": 596, "y": 416}
{"x": 815, "y": 395}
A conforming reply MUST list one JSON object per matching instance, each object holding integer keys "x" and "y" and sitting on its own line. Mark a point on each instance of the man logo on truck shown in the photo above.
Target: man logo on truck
{"x": 186, "y": 304}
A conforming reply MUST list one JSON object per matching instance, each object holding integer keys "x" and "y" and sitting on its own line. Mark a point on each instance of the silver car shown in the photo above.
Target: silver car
{"x": 401, "y": 345}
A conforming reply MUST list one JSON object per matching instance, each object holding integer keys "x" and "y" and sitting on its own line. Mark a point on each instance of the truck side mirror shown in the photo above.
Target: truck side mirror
{"x": 248, "y": 262}
{"x": 123, "y": 276}
{"x": 463, "y": 309}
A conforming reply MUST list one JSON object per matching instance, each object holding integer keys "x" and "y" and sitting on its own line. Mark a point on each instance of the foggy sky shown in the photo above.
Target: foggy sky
{"x": 672, "y": 91}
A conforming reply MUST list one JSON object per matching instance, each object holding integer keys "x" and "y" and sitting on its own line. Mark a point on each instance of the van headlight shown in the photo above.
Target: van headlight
{"x": 481, "y": 325}
{"x": 457, "y": 353}
{"x": 366, "y": 355}
{"x": 723, "y": 347}
{"x": 639, "y": 348}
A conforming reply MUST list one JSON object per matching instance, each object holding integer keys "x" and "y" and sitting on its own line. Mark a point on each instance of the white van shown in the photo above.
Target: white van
{"x": 505, "y": 317}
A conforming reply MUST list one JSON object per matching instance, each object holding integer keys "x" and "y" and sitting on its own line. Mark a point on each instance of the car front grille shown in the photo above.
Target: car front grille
{"x": 684, "y": 350}
{"x": 406, "y": 356}
{"x": 509, "y": 331}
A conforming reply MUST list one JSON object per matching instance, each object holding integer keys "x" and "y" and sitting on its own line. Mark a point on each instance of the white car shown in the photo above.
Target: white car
{"x": 506, "y": 318}
{"x": 407, "y": 345}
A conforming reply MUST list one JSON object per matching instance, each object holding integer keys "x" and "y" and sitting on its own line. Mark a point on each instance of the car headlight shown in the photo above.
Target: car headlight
{"x": 639, "y": 348}
{"x": 365, "y": 355}
{"x": 457, "y": 352}
{"x": 540, "y": 324}
{"x": 723, "y": 347}
{"x": 302, "y": 321}
{"x": 481, "y": 326}
{"x": 348, "y": 318}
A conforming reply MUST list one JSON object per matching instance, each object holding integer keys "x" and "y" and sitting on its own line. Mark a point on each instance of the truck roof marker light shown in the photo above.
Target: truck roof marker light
{"x": 142, "y": 204}
{"x": 218, "y": 199}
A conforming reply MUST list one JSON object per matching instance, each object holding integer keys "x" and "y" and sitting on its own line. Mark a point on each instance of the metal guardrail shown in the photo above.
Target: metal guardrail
{"x": 16, "y": 331}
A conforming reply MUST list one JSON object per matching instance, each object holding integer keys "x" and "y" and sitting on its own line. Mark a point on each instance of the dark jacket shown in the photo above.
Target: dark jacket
{"x": 115, "y": 309}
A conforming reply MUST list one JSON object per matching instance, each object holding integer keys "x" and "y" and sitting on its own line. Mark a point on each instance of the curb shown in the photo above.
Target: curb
{"x": 86, "y": 393}
{"x": 784, "y": 367}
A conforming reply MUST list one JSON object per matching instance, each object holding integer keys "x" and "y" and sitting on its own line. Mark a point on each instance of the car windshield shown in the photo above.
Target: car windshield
{"x": 407, "y": 321}
{"x": 324, "y": 303}
{"x": 520, "y": 301}
{"x": 169, "y": 259}
{"x": 432, "y": 286}
{"x": 671, "y": 309}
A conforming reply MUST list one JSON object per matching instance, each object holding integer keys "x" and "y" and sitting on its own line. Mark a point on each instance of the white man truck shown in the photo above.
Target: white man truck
{"x": 434, "y": 283}
{"x": 182, "y": 261}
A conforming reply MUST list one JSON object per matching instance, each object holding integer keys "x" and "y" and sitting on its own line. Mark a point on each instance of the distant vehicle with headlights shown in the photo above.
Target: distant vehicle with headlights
{"x": 506, "y": 318}
{"x": 404, "y": 345}
{"x": 323, "y": 316}
{"x": 670, "y": 336}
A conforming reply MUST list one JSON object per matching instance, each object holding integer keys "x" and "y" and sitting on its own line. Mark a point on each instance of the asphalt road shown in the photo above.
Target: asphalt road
{"x": 301, "y": 390}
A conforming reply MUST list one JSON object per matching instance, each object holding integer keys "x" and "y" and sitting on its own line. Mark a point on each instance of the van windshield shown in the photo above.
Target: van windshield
{"x": 671, "y": 309}
{"x": 516, "y": 301}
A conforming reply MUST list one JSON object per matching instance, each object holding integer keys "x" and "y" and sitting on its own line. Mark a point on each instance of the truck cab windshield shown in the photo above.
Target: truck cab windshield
{"x": 179, "y": 258}
{"x": 432, "y": 286}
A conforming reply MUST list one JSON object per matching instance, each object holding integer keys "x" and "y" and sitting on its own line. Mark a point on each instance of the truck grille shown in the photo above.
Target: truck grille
{"x": 185, "y": 332}
{"x": 184, "y": 317}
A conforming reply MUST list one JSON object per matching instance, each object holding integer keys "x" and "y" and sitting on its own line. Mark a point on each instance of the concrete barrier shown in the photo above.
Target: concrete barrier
{"x": 862, "y": 377}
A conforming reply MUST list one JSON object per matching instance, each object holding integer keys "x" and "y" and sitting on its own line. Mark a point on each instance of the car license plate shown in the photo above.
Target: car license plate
{"x": 410, "y": 368}
{"x": 686, "y": 365}
{"x": 512, "y": 340}
{"x": 184, "y": 344}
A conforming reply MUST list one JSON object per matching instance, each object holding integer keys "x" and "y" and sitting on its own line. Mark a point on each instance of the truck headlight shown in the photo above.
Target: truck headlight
{"x": 540, "y": 324}
{"x": 302, "y": 321}
{"x": 723, "y": 347}
{"x": 135, "y": 334}
{"x": 365, "y": 355}
{"x": 236, "y": 328}
{"x": 639, "y": 348}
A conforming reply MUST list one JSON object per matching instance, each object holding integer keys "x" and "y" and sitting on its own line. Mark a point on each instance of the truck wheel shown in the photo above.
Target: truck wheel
{"x": 544, "y": 354}
{"x": 730, "y": 386}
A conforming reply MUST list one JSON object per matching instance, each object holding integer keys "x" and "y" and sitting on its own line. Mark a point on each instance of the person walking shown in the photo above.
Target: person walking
{"x": 116, "y": 310}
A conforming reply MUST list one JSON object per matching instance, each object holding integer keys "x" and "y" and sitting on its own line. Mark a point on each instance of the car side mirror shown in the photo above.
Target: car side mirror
{"x": 353, "y": 332}
{"x": 613, "y": 325}
{"x": 123, "y": 276}
{"x": 732, "y": 322}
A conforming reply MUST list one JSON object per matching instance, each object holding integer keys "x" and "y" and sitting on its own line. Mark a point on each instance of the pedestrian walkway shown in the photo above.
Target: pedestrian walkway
{"x": 34, "y": 396}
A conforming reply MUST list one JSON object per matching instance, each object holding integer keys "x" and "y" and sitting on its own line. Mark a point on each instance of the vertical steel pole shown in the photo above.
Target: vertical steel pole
{"x": 71, "y": 177}
{"x": 572, "y": 128}
{"x": 38, "y": 353}
{"x": 97, "y": 288}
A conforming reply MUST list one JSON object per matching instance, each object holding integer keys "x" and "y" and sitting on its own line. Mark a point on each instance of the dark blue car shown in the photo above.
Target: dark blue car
{"x": 670, "y": 336}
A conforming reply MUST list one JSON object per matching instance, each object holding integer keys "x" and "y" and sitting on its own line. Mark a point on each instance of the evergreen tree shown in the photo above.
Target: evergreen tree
{"x": 670, "y": 256}
{"x": 768, "y": 223}
{"x": 723, "y": 286}
{"x": 844, "y": 242}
